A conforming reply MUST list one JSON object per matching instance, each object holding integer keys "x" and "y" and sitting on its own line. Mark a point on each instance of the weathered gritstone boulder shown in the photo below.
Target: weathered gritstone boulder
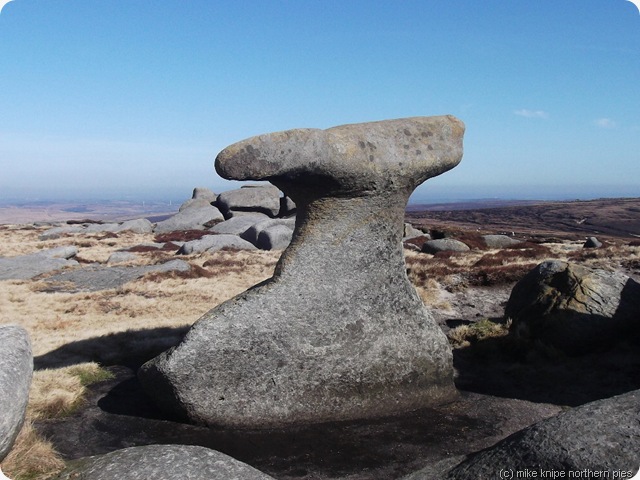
{"x": 162, "y": 462}
{"x": 338, "y": 333}
{"x": 28, "y": 266}
{"x": 239, "y": 225}
{"x": 215, "y": 242}
{"x": 602, "y": 436}
{"x": 276, "y": 237}
{"x": 573, "y": 308}
{"x": 16, "y": 368}
{"x": 194, "y": 217}
{"x": 140, "y": 225}
{"x": 250, "y": 198}
{"x": 411, "y": 232}
{"x": 252, "y": 234}
{"x": 121, "y": 257}
{"x": 204, "y": 193}
{"x": 444, "y": 245}
{"x": 500, "y": 241}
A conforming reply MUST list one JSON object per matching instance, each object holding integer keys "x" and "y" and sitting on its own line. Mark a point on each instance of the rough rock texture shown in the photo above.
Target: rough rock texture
{"x": 602, "y": 436}
{"x": 239, "y": 225}
{"x": 253, "y": 198}
{"x": 215, "y": 242}
{"x": 29, "y": 266}
{"x": 16, "y": 368}
{"x": 444, "y": 245}
{"x": 500, "y": 241}
{"x": 339, "y": 332}
{"x": 192, "y": 218}
{"x": 573, "y": 308}
{"x": 162, "y": 462}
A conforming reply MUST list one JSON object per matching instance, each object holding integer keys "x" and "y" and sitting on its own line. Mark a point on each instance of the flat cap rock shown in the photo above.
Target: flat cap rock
{"x": 386, "y": 155}
{"x": 16, "y": 369}
{"x": 338, "y": 332}
{"x": 162, "y": 462}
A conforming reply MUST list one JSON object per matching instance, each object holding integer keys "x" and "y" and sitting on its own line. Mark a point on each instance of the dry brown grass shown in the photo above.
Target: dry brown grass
{"x": 32, "y": 457}
{"x": 54, "y": 393}
{"x": 466, "y": 335}
{"x": 150, "y": 314}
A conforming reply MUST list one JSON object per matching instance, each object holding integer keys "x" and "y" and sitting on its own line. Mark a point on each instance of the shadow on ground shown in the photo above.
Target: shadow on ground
{"x": 504, "y": 368}
{"x": 131, "y": 348}
{"x": 502, "y": 390}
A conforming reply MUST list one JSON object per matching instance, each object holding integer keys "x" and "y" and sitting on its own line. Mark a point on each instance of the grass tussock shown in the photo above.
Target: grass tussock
{"x": 32, "y": 457}
{"x": 58, "y": 392}
{"x": 472, "y": 333}
{"x": 54, "y": 393}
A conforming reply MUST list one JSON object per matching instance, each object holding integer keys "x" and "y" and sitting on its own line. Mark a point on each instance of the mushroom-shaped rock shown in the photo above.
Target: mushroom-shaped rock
{"x": 338, "y": 332}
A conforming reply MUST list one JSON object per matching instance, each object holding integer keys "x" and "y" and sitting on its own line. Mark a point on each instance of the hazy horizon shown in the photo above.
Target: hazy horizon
{"x": 425, "y": 194}
{"x": 125, "y": 99}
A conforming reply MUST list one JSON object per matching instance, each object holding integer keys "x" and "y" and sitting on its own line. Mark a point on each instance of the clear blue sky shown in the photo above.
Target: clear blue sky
{"x": 135, "y": 98}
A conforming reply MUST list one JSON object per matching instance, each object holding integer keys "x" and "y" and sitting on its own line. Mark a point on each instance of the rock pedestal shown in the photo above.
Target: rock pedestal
{"x": 338, "y": 333}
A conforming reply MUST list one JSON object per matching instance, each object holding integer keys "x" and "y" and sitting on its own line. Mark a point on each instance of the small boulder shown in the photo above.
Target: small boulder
{"x": 140, "y": 225}
{"x": 253, "y": 232}
{"x": 162, "y": 462}
{"x": 500, "y": 241}
{"x": 411, "y": 232}
{"x": 573, "y": 308}
{"x": 101, "y": 227}
{"x": 121, "y": 257}
{"x": 204, "y": 193}
{"x": 57, "y": 232}
{"x": 252, "y": 198}
{"x": 192, "y": 218}
{"x": 239, "y": 224}
{"x": 444, "y": 245}
{"x": 212, "y": 243}
{"x": 592, "y": 242}
{"x": 16, "y": 369}
{"x": 28, "y": 266}
{"x": 275, "y": 237}
{"x": 287, "y": 207}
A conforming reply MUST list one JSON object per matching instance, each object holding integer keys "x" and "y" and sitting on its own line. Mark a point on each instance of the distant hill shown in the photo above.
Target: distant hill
{"x": 616, "y": 217}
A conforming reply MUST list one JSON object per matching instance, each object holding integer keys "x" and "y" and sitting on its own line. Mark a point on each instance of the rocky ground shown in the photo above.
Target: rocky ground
{"x": 503, "y": 387}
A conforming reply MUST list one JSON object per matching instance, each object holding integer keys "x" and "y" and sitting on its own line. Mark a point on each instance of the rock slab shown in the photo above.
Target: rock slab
{"x": 338, "y": 332}
{"x": 162, "y": 462}
{"x": 28, "y": 266}
{"x": 16, "y": 369}
{"x": 602, "y": 436}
